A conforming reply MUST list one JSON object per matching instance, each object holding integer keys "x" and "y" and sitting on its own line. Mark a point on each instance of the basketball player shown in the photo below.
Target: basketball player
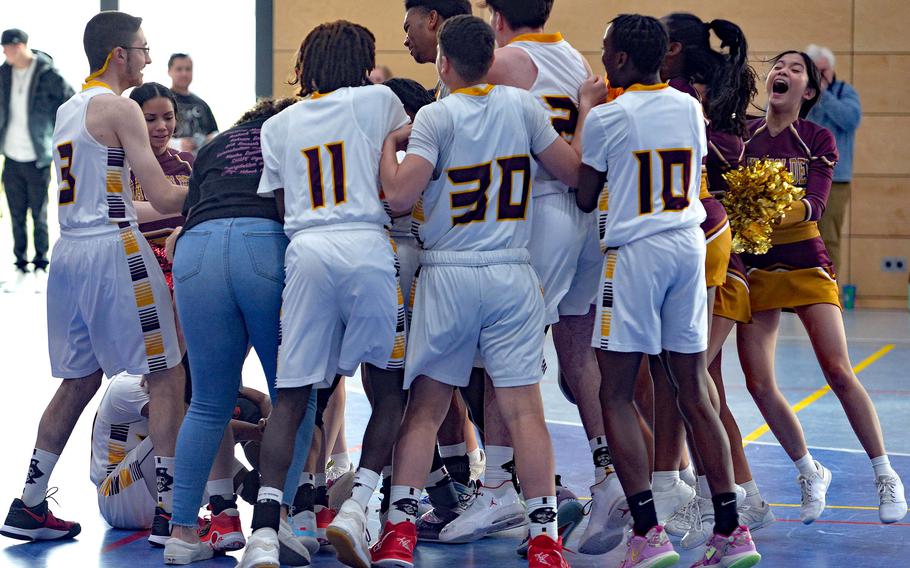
{"x": 108, "y": 304}
{"x": 341, "y": 302}
{"x": 566, "y": 255}
{"x": 470, "y": 156}
{"x": 653, "y": 283}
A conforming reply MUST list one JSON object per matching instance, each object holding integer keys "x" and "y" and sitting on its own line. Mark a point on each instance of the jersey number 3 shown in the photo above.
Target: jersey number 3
{"x": 314, "y": 163}
{"x": 476, "y": 198}
{"x": 67, "y": 187}
{"x": 676, "y": 172}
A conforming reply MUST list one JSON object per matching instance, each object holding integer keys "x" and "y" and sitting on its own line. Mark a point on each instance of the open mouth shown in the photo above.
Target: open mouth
{"x": 780, "y": 87}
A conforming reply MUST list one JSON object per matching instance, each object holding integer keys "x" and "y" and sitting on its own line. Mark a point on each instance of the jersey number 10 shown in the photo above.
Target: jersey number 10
{"x": 676, "y": 166}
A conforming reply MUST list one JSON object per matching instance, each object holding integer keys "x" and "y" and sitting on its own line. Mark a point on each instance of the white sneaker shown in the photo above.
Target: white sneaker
{"x": 261, "y": 550}
{"x": 667, "y": 502}
{"x": 683, "y": 519}
{"x": 177, "y": 551}
{"x": 755, "y": 515}
{"x": 291, "y": 550}
{"x": 491, "y": 511}
{"x": 348, "y": 534}
{"x": 892, "y": 502}
{"x": 304, "y": 526}
{"x": 813, "y": 487}
{"x": 334, "y": 471}
{"x": 21, "y": 282}
{"x": 478, "y": 466}
{"x": 340, "y": 490}
{"x": 607, "y": 519}
{"x": 702, "y": 525}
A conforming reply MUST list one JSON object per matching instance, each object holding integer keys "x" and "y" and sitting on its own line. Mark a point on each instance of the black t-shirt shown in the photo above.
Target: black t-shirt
{"x": 194, "y": 117}
{"x": 226, "y": 177}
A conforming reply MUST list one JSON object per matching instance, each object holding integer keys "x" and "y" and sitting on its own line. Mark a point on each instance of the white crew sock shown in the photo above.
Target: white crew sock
{"x": 542, "y": 514}
{"x": 403, "y": 505}
{"x": 495, "y": 475}
{"x": 882, "y": 466}
{"x": 39, "y": 472}
{"x": 365, "y": 481}
{"x": 806, "y": 465}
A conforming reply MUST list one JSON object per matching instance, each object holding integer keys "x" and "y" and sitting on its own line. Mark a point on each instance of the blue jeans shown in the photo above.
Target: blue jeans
{"x": 228, "y": 279}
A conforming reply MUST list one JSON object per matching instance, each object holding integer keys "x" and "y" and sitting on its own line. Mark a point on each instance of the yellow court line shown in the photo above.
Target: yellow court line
{"x": 851, "y": 507}
{"x": 764, "y": 428}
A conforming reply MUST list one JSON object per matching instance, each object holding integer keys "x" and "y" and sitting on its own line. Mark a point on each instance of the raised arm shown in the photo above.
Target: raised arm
{"x": 402, "y": 183}
{"x": 129, "y": 125}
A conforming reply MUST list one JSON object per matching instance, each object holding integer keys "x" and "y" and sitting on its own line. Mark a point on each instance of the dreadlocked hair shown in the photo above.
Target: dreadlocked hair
{"x": 266, "y": 108}
{"x": 413, "y": 95}
{"x": 644, "y": 38}
{"x": 730, "y": 80}
{"x": 335, "y": 55}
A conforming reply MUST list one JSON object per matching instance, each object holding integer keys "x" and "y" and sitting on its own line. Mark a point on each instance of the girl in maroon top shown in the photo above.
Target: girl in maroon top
{"x": 159, "y": 107}
{"x": 797, "y": 274}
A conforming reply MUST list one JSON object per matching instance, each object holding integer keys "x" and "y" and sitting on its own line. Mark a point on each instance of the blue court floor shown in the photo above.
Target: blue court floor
{"x": 848, "y": 534}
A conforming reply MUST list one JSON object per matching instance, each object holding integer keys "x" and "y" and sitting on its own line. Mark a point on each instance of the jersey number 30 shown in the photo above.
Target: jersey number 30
{"x": 476, "y": 198}
{"x": 676, "y": 172}
{"x": 67, "y": 193}
{"x": 314, "y": 164}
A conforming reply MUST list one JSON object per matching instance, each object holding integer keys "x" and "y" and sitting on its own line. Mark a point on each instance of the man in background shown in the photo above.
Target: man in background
{"x": 839, "y": 111}
{"x": 195, "y": 122}
{"x": 31, "y": 89}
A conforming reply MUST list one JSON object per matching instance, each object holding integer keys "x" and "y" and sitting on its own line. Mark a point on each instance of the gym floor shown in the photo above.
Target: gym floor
{"x": 848, "y": 534}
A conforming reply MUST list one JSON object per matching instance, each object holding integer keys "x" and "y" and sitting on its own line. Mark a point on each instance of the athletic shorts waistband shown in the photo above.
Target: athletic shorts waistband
{"x": 341, "y": 227}
{"x": 474, "y": 257}
{"x": 98, "y": 231}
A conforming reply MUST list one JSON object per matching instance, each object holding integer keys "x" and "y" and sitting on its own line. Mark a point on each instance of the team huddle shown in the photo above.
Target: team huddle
{"x": 431, "y": 240}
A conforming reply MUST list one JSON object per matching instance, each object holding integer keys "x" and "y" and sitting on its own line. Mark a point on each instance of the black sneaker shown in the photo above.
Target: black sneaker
{"x": 36, "y": 523}
{"x": 161, "y": 528}
{"x": 432, "y": 522}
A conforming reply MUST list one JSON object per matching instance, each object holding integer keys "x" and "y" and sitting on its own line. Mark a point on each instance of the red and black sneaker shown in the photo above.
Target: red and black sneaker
{"x": 395, "y": 546}
{"x": 161, "y": 528}
{"x": 36, "y": 523}
{"x": 544, "y": 552}
{"x": 222, "y": 531}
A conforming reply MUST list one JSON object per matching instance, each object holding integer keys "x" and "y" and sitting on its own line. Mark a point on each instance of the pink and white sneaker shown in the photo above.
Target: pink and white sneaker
{"x": 653, "y": 550}
{"x": 734, "y": 551}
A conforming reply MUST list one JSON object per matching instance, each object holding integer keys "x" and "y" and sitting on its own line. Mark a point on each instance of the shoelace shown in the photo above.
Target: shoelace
{"x": 51, "y": 491}
{"x": 806, "y": 484}
{"x": 688, "y": 515}
{"x": 887, "y": 490}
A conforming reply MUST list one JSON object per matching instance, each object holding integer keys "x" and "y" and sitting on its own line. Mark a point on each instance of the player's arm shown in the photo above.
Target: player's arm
{"x": 129, "y": 125}
{"x": 512, "y": 67}
{"x": 402, "y": 183}
{"x": 593, "y": 92}
{"x": 590, "y": 183}
{"x": 279, "y": 203}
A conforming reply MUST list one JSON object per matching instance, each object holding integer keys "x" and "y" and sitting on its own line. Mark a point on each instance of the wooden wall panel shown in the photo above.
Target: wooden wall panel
{"x": 881, "y": 26}
{"x": 880, "y": 206}
{"x": 865, "y": 259}
{"x": 882, "y": 82}
{"x": 880, "y": 147}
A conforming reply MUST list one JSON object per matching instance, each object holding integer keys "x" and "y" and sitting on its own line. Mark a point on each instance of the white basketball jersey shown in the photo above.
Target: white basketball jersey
{"x": 324, "y": 152}
{"x": 561, "y": 71}
{"x": 119, "y": 425}
{"x": 91, "y": 177}
{"x": 650, "y": 141}
{"x": 480, "y": 141}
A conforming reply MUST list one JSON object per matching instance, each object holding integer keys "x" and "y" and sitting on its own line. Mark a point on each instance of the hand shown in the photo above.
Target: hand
{"x": 187, "y": 145}
{"x": 592, "y": 92}
{"x": 400, "y": 137}
{"x": 265, "y": 409}
{"x": 171, "y": 243}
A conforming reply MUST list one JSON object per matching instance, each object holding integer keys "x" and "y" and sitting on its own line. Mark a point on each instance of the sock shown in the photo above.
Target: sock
{"x": 752, "y": 493}
{"x": 499, "y": 466}
{"x": 542, "y": 514}
{"x": 725, "y": 517}
{"x": 603, "y": 461}
{"x": 702, "y": 489}
{"x": 386, "y": 489}
{"x": 322, "y": 494}
{"x": 365, "y": 481}
{"x": 806, "y": 465}
{"x": 305, "y": 498}
{"x": 882, "y": 466}
{"x": 164, "y": 477}
{"x": 688, "y": 475}
{"x": 453, "y": 450}
{"x": 664, "y": 480}
{"x": 223, "y": 488}
{"x": 644, "y": 515}
{"x": 39, "y": 472}
{"x": 267, "y": 511}
{"x": 342, "y": 460}
{"x": 404, "y": 504}
{"x": 459, "y": 468}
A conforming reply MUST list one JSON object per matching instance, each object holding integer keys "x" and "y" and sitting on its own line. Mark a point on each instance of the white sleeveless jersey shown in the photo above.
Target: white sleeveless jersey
{"x": 561, "y": 71}
{"x": 650, "y": 141}
{"x": 119, "y": 425}
{"x": 91, "y": 177}
{"x": 480, "y": 141}
{"x": 324, "y": 152}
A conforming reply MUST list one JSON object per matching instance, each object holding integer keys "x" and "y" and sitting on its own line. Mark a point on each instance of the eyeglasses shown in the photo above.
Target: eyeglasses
{"x": 145, "y": 49}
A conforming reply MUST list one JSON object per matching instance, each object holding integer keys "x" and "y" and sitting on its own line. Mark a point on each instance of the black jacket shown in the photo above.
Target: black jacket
{"x": 47, "y": 92}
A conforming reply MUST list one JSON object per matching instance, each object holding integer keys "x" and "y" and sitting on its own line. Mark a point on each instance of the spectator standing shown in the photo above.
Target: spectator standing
{"x": 838, "y": 109}
{"x": 195, "y": 122}
{"x": 31, "y": 89}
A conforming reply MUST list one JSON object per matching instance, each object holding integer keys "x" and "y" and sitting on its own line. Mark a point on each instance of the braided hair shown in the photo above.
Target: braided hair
{"x": 644, "y": 38}
{"x": 335, "y": 55}
{"x": 412, "y": 94}
{"x": 730, "y": 80}
{"x": 148, "y": 91}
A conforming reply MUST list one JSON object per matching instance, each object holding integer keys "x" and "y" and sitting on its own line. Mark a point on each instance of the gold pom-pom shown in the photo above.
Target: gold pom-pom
{"x": 756, "y": 200}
